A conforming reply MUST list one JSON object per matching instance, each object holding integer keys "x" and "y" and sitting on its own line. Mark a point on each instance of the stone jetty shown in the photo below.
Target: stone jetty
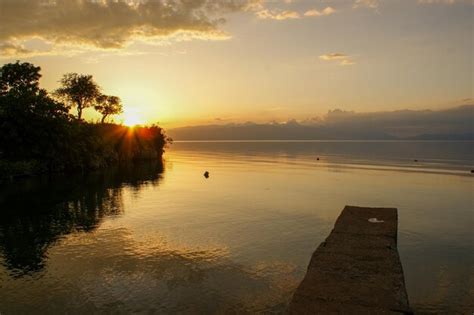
{"x": 357, "y": 269}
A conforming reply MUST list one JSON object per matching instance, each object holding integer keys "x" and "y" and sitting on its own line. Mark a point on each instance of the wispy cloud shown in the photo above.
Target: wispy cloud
{"x": 342, "y": 59}
{"x": 372, "y": 4}
{"x": 325, "y": 11}
{"x": 16, "y": 49}
{"x": 334, "y": 56}
{"x": 439, "y": 1}
{"x": 347, "y": 62}
{"x": 278, "y": 14}
{"x": 281, "y": 14}
{"x": 11, "y": 49}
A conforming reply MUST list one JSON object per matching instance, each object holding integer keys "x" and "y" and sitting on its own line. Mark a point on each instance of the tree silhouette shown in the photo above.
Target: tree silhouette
{"x": 78, "y": 90}
{"x": 108, "y": 105}
{"x": 38, "y": 135}
{"x": 19, "y": 79}
{"x": 33, "y": 126}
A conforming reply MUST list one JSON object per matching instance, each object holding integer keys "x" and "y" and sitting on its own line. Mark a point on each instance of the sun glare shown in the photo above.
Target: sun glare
{"x": 132, "y": 119}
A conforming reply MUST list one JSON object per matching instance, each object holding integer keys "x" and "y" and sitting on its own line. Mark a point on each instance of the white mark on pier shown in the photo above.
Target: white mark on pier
{"x": 375, "y": 220}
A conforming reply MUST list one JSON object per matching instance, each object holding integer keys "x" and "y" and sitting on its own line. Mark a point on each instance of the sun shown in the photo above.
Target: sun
{"x": 131, "y": 118}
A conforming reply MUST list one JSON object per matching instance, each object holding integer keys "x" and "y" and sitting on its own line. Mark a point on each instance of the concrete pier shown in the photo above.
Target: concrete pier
{"x": 357, "y": 270}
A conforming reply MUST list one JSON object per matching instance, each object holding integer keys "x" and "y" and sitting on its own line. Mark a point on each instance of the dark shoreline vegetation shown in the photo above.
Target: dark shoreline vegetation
{"x": 38, "y": 135}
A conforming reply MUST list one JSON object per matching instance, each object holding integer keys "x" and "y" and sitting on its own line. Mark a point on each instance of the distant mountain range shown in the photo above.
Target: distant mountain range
{"x": 450, "y": 124}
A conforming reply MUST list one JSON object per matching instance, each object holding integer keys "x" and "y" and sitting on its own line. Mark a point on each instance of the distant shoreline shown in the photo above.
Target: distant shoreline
{"x": 328, "y": 140}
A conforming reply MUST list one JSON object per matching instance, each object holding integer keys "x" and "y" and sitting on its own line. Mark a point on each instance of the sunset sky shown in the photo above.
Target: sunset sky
{"x": 202, "y": 62}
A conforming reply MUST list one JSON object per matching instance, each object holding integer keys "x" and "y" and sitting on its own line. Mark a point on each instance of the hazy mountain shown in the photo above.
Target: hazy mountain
{"x": 450, "y": 124}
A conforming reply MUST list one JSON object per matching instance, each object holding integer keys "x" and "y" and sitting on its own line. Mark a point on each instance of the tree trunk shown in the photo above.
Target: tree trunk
{"x": 79, "y": 109}
{"x": 103, "y": 119}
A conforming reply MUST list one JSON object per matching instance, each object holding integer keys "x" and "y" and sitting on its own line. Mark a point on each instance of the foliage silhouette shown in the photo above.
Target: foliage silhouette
{"x": 18, "y": 79}
{"x": 78, "y": 90}
{"x": 108, "y": 105}
{"x": 38, "y": 135}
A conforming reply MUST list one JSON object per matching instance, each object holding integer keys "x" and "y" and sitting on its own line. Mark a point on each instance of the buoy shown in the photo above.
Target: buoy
{"x": 317, "y": 159}
{"x": 206, "y": 174}
{"x": 472, "y": 171}
{"x": 415, "y": 160}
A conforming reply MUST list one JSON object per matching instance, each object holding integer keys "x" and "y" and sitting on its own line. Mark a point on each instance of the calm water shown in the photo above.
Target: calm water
{"x": 162, "y": 238}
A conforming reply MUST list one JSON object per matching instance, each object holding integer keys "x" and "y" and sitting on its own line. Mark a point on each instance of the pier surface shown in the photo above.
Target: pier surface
{"x": 357, "y": 270}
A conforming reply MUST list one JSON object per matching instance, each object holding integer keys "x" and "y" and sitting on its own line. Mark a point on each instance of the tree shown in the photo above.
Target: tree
{"x": 78, "y": 90}
{"x": 19, "y": 79}
{"x": 20, "y": 93}
{"x": 32, "y": 124}
{"x": 108, "y": 105}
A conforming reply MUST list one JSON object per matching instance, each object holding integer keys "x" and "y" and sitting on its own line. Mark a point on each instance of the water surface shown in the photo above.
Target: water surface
{"x": 162, "y": 238}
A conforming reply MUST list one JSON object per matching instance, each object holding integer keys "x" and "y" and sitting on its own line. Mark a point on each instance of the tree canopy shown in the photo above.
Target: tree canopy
{"x": 19, "y": 78}
{"x": 28, "y": 115}
{"x": 78, "y": 90}
{"x": 108, "y": 105}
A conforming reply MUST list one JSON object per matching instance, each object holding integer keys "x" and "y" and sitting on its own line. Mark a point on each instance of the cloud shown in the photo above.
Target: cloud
{"x": 79, "y": 25}
{"x": 446, "y": 1}
{"x": 325, "y": 11}
{"x": 437, "y": 1}
{"x": 16, "y": 49}
{"x": 343, "y": 59}
{"x": 347, "y": 62}
{"x": 333, "y": 56}
{"x": 372, "y": 4}
{"x": 10, "y": 50}
{"x": 112, "y": 24}
{"x": 277, "y": 14}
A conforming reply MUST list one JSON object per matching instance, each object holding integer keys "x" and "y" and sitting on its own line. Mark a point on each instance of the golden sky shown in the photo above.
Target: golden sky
{"x": 200, "y": 62}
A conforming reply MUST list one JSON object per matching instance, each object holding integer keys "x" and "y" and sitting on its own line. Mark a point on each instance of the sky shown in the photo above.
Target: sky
{"x": 192, "y": 62}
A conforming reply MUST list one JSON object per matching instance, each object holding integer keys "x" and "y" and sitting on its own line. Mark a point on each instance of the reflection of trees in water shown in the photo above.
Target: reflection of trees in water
{"x": 36, "y": 213}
